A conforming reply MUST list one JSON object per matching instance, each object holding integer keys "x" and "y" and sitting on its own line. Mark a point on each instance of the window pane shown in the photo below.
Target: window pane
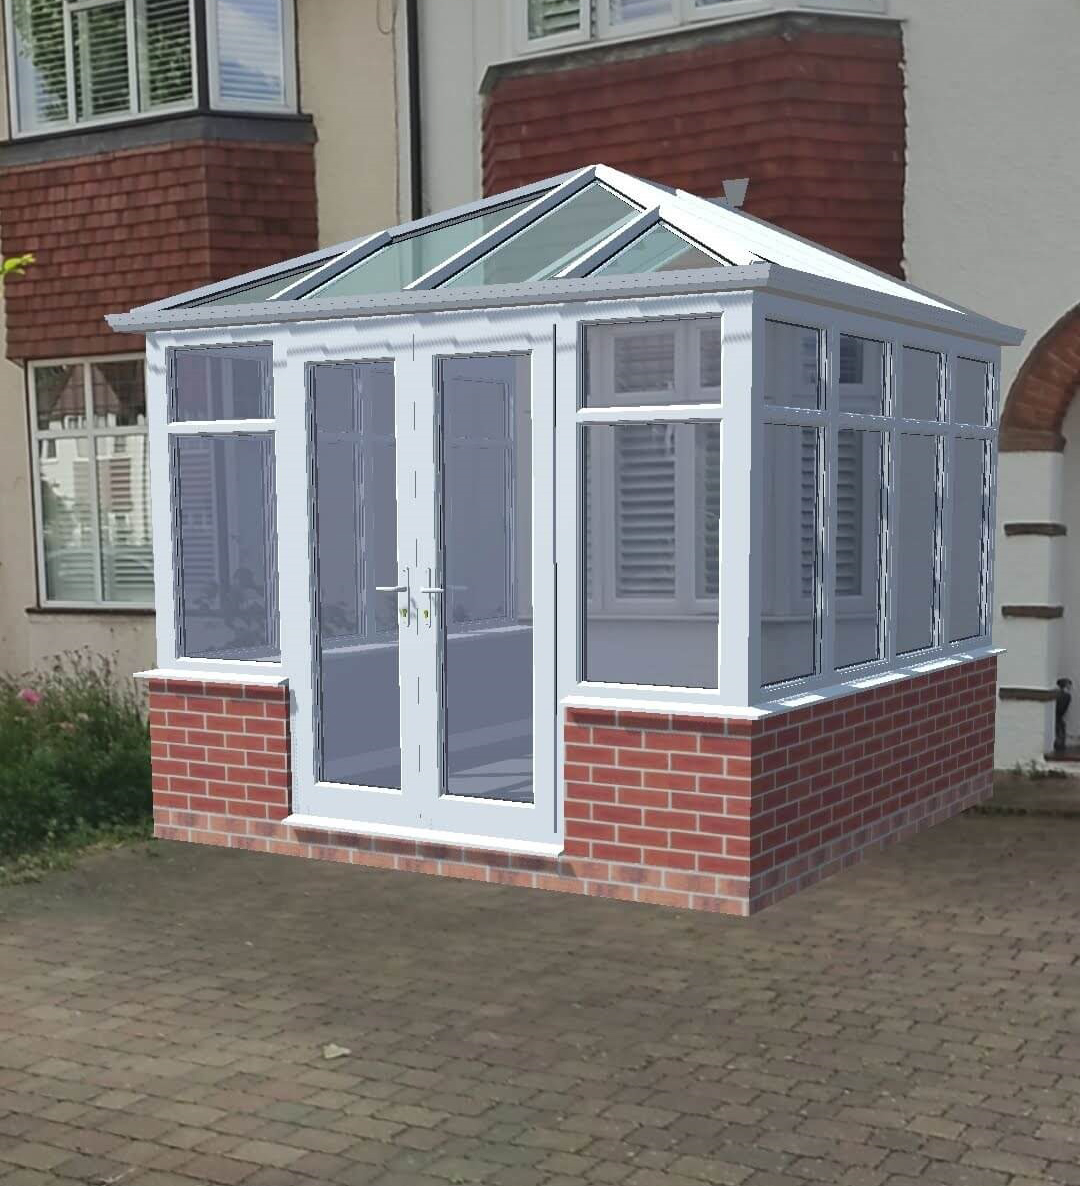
{"x": 622, "y": 11}
{"x": 860, "y": 376}
{"x": 552, "y": 242}
{"x": 221, "y": 383}
{"x": 59, "y": 396}
{"x": 226, "y": 546}
{"x": 971, "y": 391}
{"x": 657, "y": 250}
{"x": 400, "y": 263}
{"x": 356, "y": 533}
{"x": 250, "y": 50}
{"x": 119, "y": 393}
{"x": 100, "y": 60}
{"x": 652, "y": 498}
{"x": 550, "y": 17}
{"x": 652, "y": 362}
{"x": 261, "y": 291}
{"x": 916, "y": 528}
{"x": 164, "y": 31}
{"x": 67, "y": 520}
{"x": 486, "y": 570}
{"x": 790, "y": 553}
{"x": 859, "y": 503}
{"x": 920, "y": 384}
{"x": 40, "y": 71}
{"x": 127, "y": 568}
{"x": 967, "y": 560}
{"x": 792, "y": 365}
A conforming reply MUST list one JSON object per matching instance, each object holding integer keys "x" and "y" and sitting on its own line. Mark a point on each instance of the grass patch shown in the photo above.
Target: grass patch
{"x": 74, "y": 761}
{"x": 62, "y": 853}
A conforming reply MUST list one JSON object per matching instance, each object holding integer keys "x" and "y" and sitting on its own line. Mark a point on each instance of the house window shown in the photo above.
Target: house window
{"x": 88, "y": 421}
{"x": 81, "y": 62}
{"x": 651, "y": 439}
{"x": 223, "y": 487}
{"x": 551, "y": 24}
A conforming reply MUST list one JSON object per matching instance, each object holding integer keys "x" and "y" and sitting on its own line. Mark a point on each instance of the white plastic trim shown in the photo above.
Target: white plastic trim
{"x": 424, "y": 835}
{"x": 212, "y": 677}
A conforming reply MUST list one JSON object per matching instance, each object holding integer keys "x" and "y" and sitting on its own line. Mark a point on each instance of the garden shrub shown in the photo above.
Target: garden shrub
{"x": 74, "y": 753}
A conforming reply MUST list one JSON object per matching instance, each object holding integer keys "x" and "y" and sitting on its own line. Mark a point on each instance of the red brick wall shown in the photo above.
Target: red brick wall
{"x": 122, "y": 228}
{"x": 715, "y": 814}
{"x": 220, "y": 753}
{"x": 815, "y": 118}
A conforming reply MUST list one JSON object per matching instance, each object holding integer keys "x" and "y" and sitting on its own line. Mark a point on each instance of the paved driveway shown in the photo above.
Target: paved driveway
{"x": 917, "y": 1020}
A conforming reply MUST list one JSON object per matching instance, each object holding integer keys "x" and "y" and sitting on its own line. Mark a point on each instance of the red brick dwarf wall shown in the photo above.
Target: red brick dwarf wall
{"x": 123, "y": 228}
{"x": 810, "y": 108}
{"x": 716, "y": 814}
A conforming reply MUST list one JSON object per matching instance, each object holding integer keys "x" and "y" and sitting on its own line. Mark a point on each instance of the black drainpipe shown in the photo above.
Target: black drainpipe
{"x": 416, "y": 158}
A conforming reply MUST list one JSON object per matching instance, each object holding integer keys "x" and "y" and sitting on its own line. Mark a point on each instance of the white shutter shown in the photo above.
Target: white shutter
{"x": 808, "y": 533}
{"x": 99, "y": 51}
{"x": 547, "y": 18}
{"x": 40, "y": 68}
{"x": 849, "y": 505}
{"x": 164, "y": 38}
{"x": 645, "y": 510}
{"x": 249, "y": 39}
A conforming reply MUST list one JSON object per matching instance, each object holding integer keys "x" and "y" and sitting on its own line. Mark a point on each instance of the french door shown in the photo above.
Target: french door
{"x": 433, "y": 704}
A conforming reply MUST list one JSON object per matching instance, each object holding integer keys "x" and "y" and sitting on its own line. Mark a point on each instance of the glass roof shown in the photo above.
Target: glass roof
{"x": 400, "y": 262}
{"x": 552, "y": 242}
{"x": 656, "y": 250}
{"x": 260, "y": 291}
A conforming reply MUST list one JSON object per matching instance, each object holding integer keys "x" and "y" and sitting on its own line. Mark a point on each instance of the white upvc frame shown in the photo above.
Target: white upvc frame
{"x": 833, "y": 323}
{"x": 287, "y": 59}
{"x": 89, "y": 433}
{"x": 136, "y": 75}
{"x": 596, "y": 24}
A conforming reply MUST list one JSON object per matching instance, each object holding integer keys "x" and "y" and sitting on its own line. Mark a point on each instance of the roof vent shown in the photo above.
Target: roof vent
{"x": 734, "y": 193}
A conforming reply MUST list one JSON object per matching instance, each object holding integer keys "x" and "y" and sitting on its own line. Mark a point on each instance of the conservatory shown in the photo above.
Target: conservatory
{"x": 595, "y": 536}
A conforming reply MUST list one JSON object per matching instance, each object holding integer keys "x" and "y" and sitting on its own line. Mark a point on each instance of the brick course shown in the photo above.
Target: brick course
{"x": 720, "y": 814}
{"x": 810, "y": 109}
{"x": 123, "y": 228}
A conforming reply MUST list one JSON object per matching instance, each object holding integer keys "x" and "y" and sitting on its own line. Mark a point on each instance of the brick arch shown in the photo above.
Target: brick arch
{"x": 1042, "y": 390}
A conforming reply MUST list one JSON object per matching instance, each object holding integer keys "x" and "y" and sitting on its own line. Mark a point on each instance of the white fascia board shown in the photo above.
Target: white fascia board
{"x": 488, "y": 241}
{"x": 330, "y": 253}
{"x": 490, "y": 296}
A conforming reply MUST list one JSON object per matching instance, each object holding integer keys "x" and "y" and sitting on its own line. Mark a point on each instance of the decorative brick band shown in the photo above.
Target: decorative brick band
{"x": 717, "y": 814}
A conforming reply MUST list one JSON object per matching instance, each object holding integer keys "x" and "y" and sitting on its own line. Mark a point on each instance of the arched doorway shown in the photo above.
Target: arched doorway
{"x": 1038, "y": 562}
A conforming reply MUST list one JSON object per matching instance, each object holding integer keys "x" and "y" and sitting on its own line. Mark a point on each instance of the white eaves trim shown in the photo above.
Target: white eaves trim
{"x": 699, "y": 281}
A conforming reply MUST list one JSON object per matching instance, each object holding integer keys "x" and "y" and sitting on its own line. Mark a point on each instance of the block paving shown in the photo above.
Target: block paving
{"x": 163, "y": 1013}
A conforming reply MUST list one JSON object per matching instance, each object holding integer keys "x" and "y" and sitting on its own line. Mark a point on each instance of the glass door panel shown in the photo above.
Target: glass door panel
{"x": 484, "y": 556}
{"x": 358, "y": 725}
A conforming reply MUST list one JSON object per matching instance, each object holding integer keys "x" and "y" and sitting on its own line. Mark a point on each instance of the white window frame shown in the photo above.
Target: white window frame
{"x": 833, "y": 324}
{"x": 596, "y": 24}
{"x": 89, "y": 433}
{"x": 288, "y": 63}
{"x": 135, "y": 75}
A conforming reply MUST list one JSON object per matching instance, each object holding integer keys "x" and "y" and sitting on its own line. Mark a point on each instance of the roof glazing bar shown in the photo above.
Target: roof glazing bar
{"x": 333, "y": 267}
{"x": 607, "y": 247}
{"x": 517, "y": 222}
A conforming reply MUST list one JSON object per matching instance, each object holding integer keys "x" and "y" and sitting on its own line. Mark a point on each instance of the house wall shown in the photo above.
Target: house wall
{"x": 707, "y": 813}
{"x": 986, "y": 204}
{"x": 115, "y": 228}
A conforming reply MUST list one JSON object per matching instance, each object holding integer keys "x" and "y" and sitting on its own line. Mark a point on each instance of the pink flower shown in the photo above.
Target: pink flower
{"x": 29, "y": 696}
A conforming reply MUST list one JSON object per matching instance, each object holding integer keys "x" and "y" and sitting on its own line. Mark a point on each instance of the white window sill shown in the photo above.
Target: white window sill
{"x": 212, "y": 677}
{"x": 425, "y": 835}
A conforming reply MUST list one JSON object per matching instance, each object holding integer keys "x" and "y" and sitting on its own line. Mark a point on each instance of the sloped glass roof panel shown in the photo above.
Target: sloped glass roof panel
{"x": 658, "y": 249}
{"x": 399, "y": 263}
{"x": 260, "y": 291}
{"x": 553, "y": 241}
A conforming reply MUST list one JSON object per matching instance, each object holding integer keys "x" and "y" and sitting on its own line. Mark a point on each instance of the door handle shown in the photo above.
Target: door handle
{"x": 391, "y": 588}
{"x": 432, "y": 589}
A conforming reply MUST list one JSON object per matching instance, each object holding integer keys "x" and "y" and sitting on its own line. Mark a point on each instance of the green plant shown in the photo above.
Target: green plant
{"x": 15, "y": 265}
{"x": 74, "y": 753}
{"x": 1036, "y": 772}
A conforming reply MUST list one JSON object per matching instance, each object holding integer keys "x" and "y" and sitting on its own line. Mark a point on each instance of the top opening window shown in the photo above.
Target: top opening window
{"x": 221, "y": 383}
{"x": 101, "y": 61}
{"x": 653, "y": 363}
